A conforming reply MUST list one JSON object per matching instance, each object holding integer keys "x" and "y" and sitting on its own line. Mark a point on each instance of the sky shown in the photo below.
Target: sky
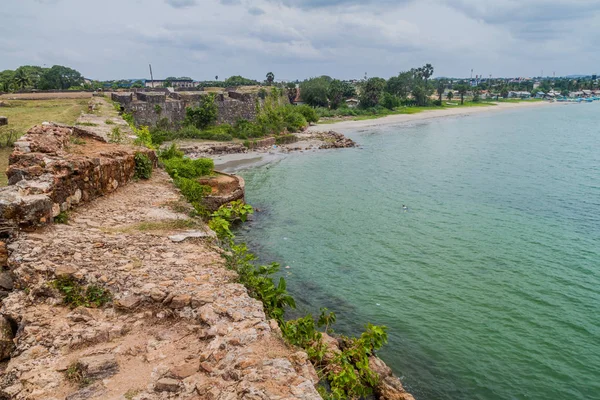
{"x": 297, "y": 39}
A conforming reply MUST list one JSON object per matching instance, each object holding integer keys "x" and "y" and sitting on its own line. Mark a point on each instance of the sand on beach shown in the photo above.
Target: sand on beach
{"x": 424, "y": 115}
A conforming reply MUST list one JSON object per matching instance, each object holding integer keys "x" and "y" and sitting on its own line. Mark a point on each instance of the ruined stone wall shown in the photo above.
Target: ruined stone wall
{"x": 49, "y": 174}
{"x": 149, "y": 108}
{"x": 231, "y": 110}
{"x": 148, "y": 114}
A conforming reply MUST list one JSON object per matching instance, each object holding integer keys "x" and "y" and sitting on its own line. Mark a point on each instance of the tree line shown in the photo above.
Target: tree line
{"x": 33, "y": 77}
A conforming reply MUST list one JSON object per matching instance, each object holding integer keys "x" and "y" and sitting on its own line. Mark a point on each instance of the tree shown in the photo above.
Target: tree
{"x": 400, "y": 85}
{"x": 167, "y": 83}
{"x": 6, "y": 80}
{"x": 216, "y": 77}
{"x": 389, "y": 101}
{"x": 270, "y": 78}
{"x": 450, "y": 95}
{"x": 348, "y": 90}
{"x": 420, "y": 93}
{"x": 59, "y": 77}
{"x": 237, "y": 80}
{"x": 441, "y": 87}
{"x": 335, "y": 93}
{"x": 504, "y": 92}
{"x": 462, "y": 90}
{"x": 21, "y": 78}
{"x": 314, "y": 91}
{"x": 371, "y": 92}
{"x": 426, "y": 71}
{"x": 137, "y": 84}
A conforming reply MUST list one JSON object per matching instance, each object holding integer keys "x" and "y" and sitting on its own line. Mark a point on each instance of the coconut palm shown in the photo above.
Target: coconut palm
{"x": 22, "y": 79}
{"x": 462, "y": 90}
{"x": 450, "y": 95}
{"x": 441, "y": 87}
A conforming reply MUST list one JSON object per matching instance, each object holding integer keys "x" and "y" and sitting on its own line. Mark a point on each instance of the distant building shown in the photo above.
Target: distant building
{"x": 352, "y": 103}
{"x": 176, "y": 83}
{"x": 519, "y": 95}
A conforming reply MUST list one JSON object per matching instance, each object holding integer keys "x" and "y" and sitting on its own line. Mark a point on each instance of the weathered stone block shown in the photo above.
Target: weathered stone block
{"x": 3, "y": 121}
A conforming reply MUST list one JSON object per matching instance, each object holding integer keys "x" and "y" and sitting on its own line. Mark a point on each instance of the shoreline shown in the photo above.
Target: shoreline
{"x": 427, "y": 115}
{"x": 230, "y": 163}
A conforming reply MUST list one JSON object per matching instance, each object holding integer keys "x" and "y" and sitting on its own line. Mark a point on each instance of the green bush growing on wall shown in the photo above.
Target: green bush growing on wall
{"x": 204, "y": 115}
{"x": 143, "y": 166}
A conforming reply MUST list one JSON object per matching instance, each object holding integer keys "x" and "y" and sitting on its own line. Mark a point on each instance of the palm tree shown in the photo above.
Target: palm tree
{"x": 462, "y": 90}
{"x": 450, "y": 95}
{"x": 22, "y": 79}
{"x": 441, "y": 87}
{"x": 270, "y": 78}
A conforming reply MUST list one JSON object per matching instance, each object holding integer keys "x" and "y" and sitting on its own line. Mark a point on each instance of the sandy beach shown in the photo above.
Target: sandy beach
{"x": 425, "y": 115}
{"x": 233, "y": 162}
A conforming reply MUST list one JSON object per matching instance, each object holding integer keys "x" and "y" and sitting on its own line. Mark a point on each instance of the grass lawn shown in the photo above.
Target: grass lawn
{"x": 23, "y": 114}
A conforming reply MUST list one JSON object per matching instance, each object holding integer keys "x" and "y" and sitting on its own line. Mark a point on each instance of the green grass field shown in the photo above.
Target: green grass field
{"x": 23, "y": 114}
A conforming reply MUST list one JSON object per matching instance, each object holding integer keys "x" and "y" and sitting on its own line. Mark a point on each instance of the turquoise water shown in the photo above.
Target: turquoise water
{"x": 489, "y": 283}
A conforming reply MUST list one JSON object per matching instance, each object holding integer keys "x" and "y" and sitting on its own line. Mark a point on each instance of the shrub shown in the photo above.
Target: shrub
{"x": 193, "y": 191}
{"x": 389, "y": 101}
{"x": 143, "y": 137}
{"x": 204, "y": 115}
{"x": 116, "y": 136}
{"x": 143, "y": 166}
{"x": 188, "y": 168}
{"x": 170, "y": 152}
{"x": 309, "y": 113}
{"x": 8, "y": 137}
{"x": 62, "y": 218}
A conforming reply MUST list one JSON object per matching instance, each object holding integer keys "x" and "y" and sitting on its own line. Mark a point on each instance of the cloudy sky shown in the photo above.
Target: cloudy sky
{"x": 112, "y": 39}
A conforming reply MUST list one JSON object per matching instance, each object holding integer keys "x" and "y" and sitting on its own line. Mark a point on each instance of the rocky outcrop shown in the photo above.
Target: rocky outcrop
{"x": 50, "y": 173}
{"x": 333, "y": 140}
{"x": 225, "y": 189}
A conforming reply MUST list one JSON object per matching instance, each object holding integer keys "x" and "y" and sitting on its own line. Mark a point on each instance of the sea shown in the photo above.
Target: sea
{"x": 475, "y": 240}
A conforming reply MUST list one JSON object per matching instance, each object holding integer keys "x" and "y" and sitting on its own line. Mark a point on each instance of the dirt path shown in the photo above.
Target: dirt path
{"x": 179, "y": 326}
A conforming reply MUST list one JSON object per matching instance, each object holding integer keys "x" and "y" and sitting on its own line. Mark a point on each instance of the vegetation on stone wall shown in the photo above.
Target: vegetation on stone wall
{"x": 204, "y": 115}
{"x": 143, "y": 166}
{"x": 185, "y": 172}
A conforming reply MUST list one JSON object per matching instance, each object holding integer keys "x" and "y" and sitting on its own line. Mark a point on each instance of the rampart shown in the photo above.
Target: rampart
{"x": 51, "y": 170}
{"x": 148, "y": 108}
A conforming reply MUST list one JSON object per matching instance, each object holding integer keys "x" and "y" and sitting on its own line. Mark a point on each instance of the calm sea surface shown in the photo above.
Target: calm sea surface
{"x": 489, "y": 283}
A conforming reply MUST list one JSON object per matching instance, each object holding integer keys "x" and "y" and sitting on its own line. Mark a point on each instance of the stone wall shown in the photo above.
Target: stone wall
{"x": 148, "y": 108}
{"x": 3, "y": 121}
{"x": 49, "y": 174}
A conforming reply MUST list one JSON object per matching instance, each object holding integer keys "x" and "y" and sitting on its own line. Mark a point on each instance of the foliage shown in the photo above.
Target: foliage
{"x": 187, "y": 168}
{"x": 335, "y": 93}
{"x": 75, "y": 375}
{"x": 204, "y": 115}
{"x": 116, "y": 136}
{"x": 193, "y": 190}
{"x": 170, "y": 152}
{"x": 77, "y": 295}
{"x": 314, "y": 91}
{"x": 309, "y": 113}
{"x": 450, "y": 95}
{"x": 371, "y": 92}
{"x": 157, "y": 108}
{"x": 389, "y": 101}
{"x": 233, "y": 211}
{"x": 143, "y": 166}
{"x": 259, "y": 282}
{"x": 143, "y": 137}
{"x": 462, "y": 91}
{"x": 8, "y": 137}
{"x": 270, "y": 78}
{"x": 62, "y": 218}
{"x": 60, "y": 77}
